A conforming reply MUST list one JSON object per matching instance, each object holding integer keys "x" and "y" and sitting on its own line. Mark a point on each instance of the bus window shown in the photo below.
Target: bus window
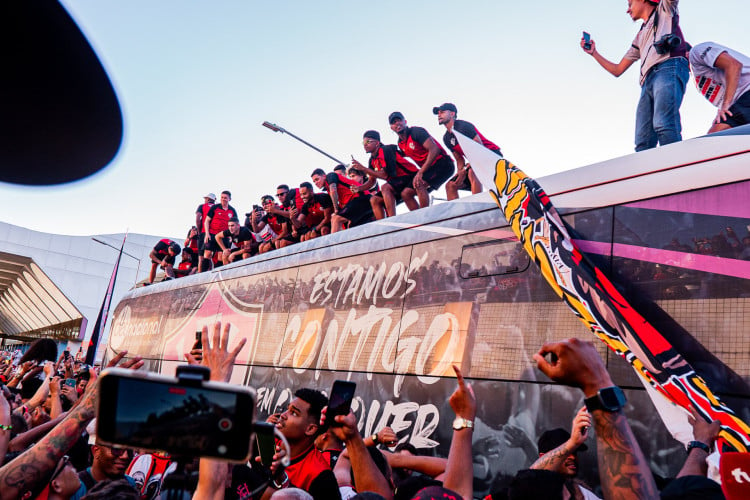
{"x": 493, "y": 258}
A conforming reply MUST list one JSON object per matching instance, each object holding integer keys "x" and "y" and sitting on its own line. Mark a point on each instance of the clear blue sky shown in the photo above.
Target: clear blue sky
{"x": 197, "y": 79}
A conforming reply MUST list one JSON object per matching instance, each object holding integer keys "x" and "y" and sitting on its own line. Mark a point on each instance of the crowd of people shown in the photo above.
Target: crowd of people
{"x": 49, "y": 446}
{"x": 346, "y": 197}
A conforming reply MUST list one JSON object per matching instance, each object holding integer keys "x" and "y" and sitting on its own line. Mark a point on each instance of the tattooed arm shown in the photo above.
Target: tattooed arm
{"x": 623, "y": 470}
{"x": 30, "y": 471}
{"x": 553, "y": 459}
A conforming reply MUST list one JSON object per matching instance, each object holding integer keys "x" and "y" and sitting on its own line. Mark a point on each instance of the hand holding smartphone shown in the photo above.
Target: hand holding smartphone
{"x": 340, "y": 401}
{"x": 586, "y": 41}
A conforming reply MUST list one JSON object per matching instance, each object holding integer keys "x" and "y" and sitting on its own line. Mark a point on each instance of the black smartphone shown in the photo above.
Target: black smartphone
{"x": 265, "y": 442}
{"x": 340, "y": 401}
{"x": 182, "y": 417}
{"x": 586, "y": 41}
{"x": 198, "y": 343}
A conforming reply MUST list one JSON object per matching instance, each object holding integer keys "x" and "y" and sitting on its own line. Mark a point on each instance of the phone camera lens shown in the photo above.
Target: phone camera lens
{"x": 225, "y": 424}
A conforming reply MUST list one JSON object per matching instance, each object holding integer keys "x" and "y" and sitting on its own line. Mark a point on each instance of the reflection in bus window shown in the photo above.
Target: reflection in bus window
{"x": 492, "y": 258}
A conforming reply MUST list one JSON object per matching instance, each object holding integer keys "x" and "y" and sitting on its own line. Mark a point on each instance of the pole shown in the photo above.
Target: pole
{"x": 276, "y": 128}
{"x": 101, "y": 319}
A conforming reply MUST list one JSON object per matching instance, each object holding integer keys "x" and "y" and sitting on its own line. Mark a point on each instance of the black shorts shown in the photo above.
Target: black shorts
{"x": 465, "y": 185}
{"x": 357, "y": 211}
{"x": 201, "y": 242}
{"x": 402, "y": 182}
{"x": 214, "y": 247}
{"x": 740, "y": 111}
{"x": 439, "y": 172}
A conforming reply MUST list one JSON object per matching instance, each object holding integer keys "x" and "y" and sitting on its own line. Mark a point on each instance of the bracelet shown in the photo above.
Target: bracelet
{"x": 698, "y": 444}
{"x": 5, "y": 427}
{"x": 283, "y": 484}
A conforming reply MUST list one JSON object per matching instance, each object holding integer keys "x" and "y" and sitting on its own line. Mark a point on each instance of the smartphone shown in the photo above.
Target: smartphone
{"x": 265, "y": 442}
{"x": 586, "y": 41}
{"x": 198, "y": 343}
{"x": 340, "y": 401}
{"x": 66, "y": 354}
{"x": 70, "y": 382}
{"x": 192, "y": 418}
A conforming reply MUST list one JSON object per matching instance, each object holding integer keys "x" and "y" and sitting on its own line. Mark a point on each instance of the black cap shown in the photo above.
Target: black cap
{"x": 396, "y": 115}
{"x": 446, "y": 106}
{"x": 372, "y": 134}
{"x": 550, "y": 440}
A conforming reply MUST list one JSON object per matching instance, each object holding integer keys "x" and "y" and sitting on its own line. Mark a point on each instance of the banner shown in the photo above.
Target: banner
{"x": 593, "y": 297}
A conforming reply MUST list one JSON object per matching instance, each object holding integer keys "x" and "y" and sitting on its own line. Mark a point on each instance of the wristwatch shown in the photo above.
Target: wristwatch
{"x": 609, "y": 399}
{"x": 699, "y": 445}
{"x": 374, "y": 438}
{"x": 462, "y": 423}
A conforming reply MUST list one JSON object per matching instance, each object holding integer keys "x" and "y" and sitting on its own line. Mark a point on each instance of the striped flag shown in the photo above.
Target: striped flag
{"x": 594, "y": 299}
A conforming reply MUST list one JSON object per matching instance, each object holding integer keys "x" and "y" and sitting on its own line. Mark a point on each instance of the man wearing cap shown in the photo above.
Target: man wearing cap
{"x": 216, "y": 221}
{"x": 163, "y": 255}
{"x": 416, "y": 143}
{"x": 387, "y": 163}
{"x": 465, "y": 178}
{"x": 200, "y": 219}
{"x": 558, "y": 449}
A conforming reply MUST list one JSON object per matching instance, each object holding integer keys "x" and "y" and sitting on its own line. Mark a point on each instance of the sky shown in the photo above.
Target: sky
{"x": 197, "y": 79}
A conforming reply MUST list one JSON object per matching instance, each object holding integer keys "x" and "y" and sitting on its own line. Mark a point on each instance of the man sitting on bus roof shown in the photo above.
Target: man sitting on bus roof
{"x": 350, "y": 208}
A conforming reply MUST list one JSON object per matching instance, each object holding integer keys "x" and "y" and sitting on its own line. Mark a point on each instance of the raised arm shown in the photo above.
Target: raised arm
{"x": 623, "y": 471}
{"x": 615, "y": 69}
{"x": 459, "y": 472}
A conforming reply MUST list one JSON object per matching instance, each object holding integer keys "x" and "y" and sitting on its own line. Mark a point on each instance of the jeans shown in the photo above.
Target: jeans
{"x": 657, "y": 118}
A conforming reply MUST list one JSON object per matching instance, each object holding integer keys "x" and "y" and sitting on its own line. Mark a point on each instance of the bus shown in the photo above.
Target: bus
{"x": 393, "y": 304}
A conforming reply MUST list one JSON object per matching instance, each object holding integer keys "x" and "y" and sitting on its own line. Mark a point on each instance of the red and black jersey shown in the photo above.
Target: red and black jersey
{"x": 343, "y": 187}
{"x": 203, "y": 209}
{"x": 220, "y": 218}
{"x": 470, "y": 131}
{"x": 390, "y": 160}
{"x": 293, "y": 195}
{"x": 413, "y": 145}
{"x": 275, "y": 222}
{"x": 192, "y": 243}
{"x": 314, "y": 210}
{"x": 162, "y": 248}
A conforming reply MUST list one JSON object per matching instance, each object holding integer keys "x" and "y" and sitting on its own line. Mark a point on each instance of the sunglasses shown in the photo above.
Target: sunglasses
{"x": 60, "y": 466}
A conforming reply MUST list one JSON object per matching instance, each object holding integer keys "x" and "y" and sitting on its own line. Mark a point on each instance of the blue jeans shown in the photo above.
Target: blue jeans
{"x": 657, "y": 118}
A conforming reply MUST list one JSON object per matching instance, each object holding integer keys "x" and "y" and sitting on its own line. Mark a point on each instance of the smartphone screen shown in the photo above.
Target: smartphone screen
{"x": 586, "y": 41}
{"x": 340, "y": 401}
{"x": 164, "y": 415}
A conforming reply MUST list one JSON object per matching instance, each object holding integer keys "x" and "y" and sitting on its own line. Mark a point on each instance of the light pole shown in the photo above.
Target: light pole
{"x": 138, "y": 269}
{"x": 276, "y": 128}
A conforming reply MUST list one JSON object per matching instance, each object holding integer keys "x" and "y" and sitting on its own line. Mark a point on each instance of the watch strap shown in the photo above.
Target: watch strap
{"x": 700, "y": 445}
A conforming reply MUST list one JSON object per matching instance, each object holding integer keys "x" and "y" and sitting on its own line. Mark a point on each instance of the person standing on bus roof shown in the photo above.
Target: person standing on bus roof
{"x": 465, "y": 179}
{"x": 216, "y": 221}
{"x": 435, "y": 167}
{"x": 722, "y": 75}
{"x": 662, "y": 49}
{"x": 388, "y": 163}
{"x": 200, "y": 218}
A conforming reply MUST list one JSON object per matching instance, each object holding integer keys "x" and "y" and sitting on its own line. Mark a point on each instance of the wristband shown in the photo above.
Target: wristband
{"x": 283, "y": 484}
{"x": 698, "y": 444}
{"x": 5, "y": 427}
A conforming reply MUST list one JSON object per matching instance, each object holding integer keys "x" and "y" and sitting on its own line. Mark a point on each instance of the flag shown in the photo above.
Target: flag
{"x": 101, "y": 319}
{"x": 592, "y": 296}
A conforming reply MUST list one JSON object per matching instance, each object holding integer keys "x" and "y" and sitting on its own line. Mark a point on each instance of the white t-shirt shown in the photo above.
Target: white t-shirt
{"x": 643, "y": 44}
{"x": 711, "y": 81}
